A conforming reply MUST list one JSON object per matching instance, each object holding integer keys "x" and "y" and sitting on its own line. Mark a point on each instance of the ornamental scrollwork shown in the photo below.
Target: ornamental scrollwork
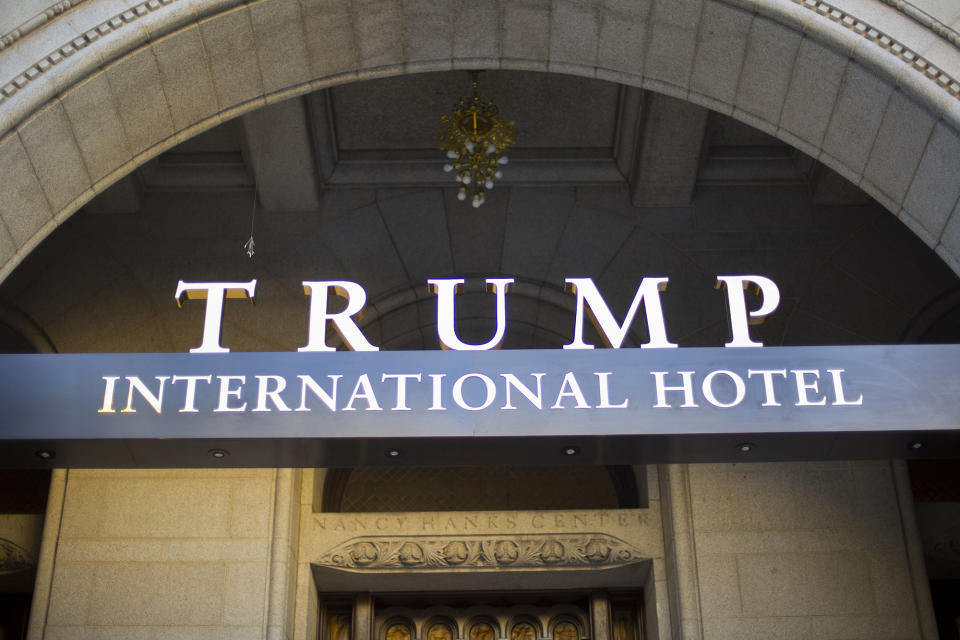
{"x": 487, "y": 551}
{"x": 13, "y": 557}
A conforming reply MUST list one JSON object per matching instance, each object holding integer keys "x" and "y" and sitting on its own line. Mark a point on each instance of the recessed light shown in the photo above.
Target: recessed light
{"x": 392, "y": 453}
{"x": 916, "y": 445}
{"x": 219, "y": 454}
{"x": 571, "y": 451}
{"x": 46, "y": 454}
{"x": 745, "y": 447}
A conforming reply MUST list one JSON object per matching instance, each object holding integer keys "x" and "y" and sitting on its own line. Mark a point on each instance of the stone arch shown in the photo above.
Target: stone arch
{"x": 88, "y": 96}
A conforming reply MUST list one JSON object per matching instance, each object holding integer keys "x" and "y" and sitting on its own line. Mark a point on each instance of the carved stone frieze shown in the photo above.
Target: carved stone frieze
{"x": 37, "y": 21}
{"x": 564, "y": 551}
{"x": 13, "y": 557}
{"x": 888, "y": 43}
{"x": 10, "y": 86}
{"x": 67, "y": 49}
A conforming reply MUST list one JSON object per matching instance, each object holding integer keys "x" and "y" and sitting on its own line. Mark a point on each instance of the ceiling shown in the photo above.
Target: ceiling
{"x": 571, "y": 131}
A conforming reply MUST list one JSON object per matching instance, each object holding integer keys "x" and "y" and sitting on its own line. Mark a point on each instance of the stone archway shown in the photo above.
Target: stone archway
{"x": 88, "y": 96}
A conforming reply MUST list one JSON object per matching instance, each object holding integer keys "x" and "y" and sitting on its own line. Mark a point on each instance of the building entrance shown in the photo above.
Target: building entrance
{"x": 568, "y": 615}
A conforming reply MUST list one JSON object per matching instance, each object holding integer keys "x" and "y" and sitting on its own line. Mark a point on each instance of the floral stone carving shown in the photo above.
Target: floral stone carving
{"x": 490, "y": 551}
{"x": 13, "y": 557}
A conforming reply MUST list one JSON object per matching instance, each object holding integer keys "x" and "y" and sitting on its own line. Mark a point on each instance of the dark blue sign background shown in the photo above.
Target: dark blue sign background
{"x": 52, "y": 401}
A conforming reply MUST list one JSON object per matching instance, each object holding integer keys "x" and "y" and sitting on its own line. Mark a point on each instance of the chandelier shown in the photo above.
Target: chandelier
{"x": 475, "y": 136}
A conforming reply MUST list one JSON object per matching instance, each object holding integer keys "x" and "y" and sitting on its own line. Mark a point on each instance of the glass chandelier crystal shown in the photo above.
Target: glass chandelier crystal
{"x": 475, "y": 137}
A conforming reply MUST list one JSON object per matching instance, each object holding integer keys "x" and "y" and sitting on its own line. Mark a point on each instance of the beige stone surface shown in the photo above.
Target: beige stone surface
{"x": 767, "y": 69}
{"x": 903, "y": 133}
{"x": 809, "y": 102}
{"x": 801, "y": 550}
{"x": 187, "y": 84}
{"x": 96, "y": 125}
{"x": 232, "y": 56}
{"x": 70, "y": 594}
{"x": 330, "y": 38}
{"x": 804, "y": 550}
{"x": 672, "y": 40}
{"x": 27, "y": 209}
{"x": 161, "y": 550}
{"x": 856, "y": 119}
{"x": 167, "y": 508}
{"x": 98, "y": 633}
{"x": 526, "y": 31}
{"x": 428, "y": 28}
{"x": 244, "y": 594}
{"x": 281, "y": 50}
{"x": 141, "y": 102}
{"x": 208, "y": 633}
{"x": 248, "y": 518}
{"x": 379, "y": 28}
{"x": 171, "y": 554}
{"x": 935, "y": 189}
{"x": 717, "y": 65}
{"x": 574, "y": 29}
{"x": 157, "y": 594}
{"x": 52, "y": 148}
{"x": 779, "y": 585}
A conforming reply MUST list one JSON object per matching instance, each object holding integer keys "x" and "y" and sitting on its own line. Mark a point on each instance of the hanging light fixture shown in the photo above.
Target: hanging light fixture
{"x": 475, "y": 137}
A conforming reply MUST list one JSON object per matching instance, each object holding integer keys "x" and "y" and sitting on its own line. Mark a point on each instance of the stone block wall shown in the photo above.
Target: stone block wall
{"x": 792, "y": 551}
{"x": 801, "y": 550}
{"x": 164, "y": 555}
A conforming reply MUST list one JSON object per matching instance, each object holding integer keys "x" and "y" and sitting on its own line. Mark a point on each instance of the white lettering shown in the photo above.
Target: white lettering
{"x": 612, "y": 334}
{"x": 686, "y": 387}
{"x": 437, "y": 379}
{"x": 765, "y": 288}
{"x": 109, "y": 383}
{"x": 803, "y": 386}
{"x": 345, "y": 326}
{"x": 401, "y": 379}
{"x": 604, "y": 381}
{"x": 155, "y": 401}
{"x": 190, "y": 395}
{"x": 511, "y": 381}
{"x": 570, "y": 388}
{"x": 327, "y": 398}
{"x": 739, "y": 386}
{"x": 489, "y": 388}
{"x": 264, "y": 392}
{"x": 214, "y": 293}
{"x": 841, "y": 401}
{"x": 769, "y": 397}
{"x": 445, "y": 290}
{"x": 363, "y": 390}
{"x": 226, "y": 392}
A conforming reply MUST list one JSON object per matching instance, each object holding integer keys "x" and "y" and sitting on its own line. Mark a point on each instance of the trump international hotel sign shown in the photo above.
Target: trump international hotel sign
{"x": 317, "y": 403}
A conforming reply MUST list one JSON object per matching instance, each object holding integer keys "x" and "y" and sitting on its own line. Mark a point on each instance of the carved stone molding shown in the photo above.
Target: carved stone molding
{"x": 37, "y": 21}
{"x": 446, "y": 553}
{"x": 917, "y": 14}
{"x": 10, "y": 86}
{"x": 67, "y": 49}
{"x": 13, "y": 557}
{"x": 888, "y": 43}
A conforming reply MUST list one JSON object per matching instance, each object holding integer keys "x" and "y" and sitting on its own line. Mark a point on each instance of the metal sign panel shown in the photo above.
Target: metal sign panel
{"x": 437, "y": 407}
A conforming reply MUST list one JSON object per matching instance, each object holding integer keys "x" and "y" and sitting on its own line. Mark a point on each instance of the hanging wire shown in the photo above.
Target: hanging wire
{"x": 250, "y": 246}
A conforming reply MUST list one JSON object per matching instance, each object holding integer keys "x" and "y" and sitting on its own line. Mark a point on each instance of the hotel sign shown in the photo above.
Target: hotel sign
{"x": 473, "y": 404}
